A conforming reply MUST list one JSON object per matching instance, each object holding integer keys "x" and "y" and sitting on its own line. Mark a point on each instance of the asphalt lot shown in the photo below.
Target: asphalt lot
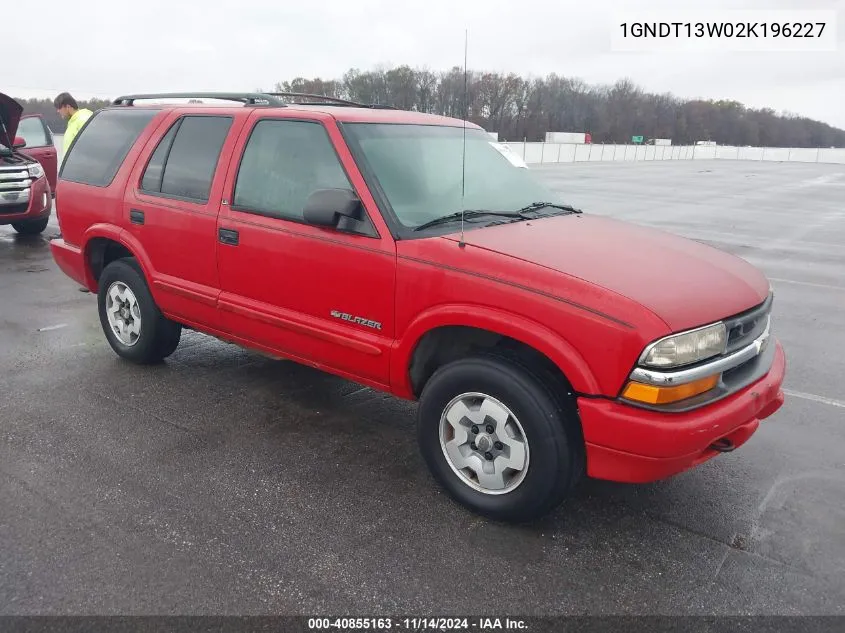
{"x": 225, "y": 483}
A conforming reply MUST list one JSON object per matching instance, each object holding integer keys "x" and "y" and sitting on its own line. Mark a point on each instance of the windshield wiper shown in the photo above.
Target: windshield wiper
{"x": 535, "y": 206}
{"x": 525, "y": 213}
{"x": 471, "y": 213}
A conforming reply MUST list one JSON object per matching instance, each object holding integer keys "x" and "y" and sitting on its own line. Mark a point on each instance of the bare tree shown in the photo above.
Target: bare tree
{"x": 528, "y": 107}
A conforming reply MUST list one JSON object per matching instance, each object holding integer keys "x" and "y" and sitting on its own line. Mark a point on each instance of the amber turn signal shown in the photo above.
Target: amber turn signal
{"x": 652, "y": 394}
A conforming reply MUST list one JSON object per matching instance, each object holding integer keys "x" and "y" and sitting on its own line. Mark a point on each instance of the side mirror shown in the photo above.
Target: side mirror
{"x": 328, "y": 207}
{"x": 19, "y": 142}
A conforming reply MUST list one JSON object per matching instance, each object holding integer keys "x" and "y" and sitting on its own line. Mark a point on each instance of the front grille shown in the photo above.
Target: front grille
{"x": 13, "y": 184}
{"x": 13, "y": 178}
{"x": 744, "y": 328}
{"x": 12, "y": 209}
{"x": 14, "y": 190}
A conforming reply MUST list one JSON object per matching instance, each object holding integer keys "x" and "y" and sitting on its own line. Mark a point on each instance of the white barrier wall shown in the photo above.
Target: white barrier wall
{"x": 577, "y": 153}
{"x": 538, "y": 153}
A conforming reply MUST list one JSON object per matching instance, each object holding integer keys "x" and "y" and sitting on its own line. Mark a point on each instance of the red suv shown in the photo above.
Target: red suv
{"x": 411, "y": 253}
{"x": 26, "y": 199}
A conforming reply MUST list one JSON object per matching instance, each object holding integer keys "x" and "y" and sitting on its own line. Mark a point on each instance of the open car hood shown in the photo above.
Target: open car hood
{"x": 10, "y": 111}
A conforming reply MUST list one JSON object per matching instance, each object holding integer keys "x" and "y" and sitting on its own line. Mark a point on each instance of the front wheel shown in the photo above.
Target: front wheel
{"x": 498, "y": 439}
{"x": 31, "y": 227}
{"x": 134, "y": 326}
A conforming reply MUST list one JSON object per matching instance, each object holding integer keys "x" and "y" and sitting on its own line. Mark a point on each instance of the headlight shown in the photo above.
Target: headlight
{"x": 686, "y": 348}
{"x": 36, "y": 171}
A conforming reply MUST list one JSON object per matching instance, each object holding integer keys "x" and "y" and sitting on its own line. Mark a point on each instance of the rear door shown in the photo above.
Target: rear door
{"x": 322, "y": 296}
{"x": 39, "y": 145}
{"x": 171, "y": 209}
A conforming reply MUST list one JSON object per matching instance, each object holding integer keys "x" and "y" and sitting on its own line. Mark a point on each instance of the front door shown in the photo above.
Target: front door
{"x": 322, "y": 296}
{"x": 39, "y": 145}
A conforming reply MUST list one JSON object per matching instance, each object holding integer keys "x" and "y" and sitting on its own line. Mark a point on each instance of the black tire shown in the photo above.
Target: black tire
{"x": 159, "y": 336}
{"x": 31, "y": 227}
{"x": 549, "y": 421}
{"x": 171, "y": 342}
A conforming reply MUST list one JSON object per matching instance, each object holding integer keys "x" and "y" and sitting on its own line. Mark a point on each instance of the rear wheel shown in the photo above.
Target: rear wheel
{"x": 31, "y": 227}
{"x": 134, "y": 326}
{"x": 498, "y": 439}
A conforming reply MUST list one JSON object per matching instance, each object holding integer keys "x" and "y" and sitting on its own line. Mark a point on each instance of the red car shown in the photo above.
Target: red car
{"x": 38, "y": 139}
{"x": 408, "y": 252}
{"x": 26, "y": 200}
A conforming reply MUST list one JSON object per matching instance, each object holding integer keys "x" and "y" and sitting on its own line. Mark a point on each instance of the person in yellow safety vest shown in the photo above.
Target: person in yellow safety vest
{"x": 69, "y": 109}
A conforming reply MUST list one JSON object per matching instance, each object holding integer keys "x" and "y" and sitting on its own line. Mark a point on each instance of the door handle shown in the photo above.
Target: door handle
{"x": 228, "y": 236}
{"x": 136, "y": 216}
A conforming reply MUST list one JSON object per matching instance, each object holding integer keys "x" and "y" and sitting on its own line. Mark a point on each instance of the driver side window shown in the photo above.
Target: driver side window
{"x": 283, "y": 163}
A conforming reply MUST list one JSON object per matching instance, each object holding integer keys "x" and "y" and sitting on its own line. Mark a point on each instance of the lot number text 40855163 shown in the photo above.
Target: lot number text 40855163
{"x": 417, "y": 624}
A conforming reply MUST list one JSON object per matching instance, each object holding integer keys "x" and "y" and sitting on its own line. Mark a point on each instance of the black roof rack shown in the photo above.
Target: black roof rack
{"x": 248, "y": 98}
{"x": 331, "y": 100}
{"x": 308, "y": 95}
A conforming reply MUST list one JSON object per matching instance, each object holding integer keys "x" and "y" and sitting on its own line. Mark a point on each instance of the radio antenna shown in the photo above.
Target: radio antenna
{"x": 464, "y": 148}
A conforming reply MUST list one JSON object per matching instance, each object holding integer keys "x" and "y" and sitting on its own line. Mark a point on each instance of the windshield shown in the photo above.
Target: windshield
{"x": 419, "y": 169}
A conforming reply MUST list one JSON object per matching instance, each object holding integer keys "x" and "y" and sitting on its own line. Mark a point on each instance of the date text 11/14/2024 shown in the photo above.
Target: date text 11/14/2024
{"x": 417, "y": 624}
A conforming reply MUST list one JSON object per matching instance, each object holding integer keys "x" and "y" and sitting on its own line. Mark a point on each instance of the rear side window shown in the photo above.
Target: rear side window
{"x": 155, "y": 168}
{"x": 183, "y": 163}
{"x": 101, "y": 146}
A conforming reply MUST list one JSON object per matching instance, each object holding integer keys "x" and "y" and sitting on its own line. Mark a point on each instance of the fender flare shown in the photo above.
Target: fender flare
{"x": 122, "y": 237}
{"x": 515, "y": 326}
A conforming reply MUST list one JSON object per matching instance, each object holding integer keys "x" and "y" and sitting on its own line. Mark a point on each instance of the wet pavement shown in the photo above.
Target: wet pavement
{"x": 223, "y": 482}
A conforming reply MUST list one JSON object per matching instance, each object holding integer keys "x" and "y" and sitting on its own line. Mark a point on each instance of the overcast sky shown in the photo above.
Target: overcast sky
{"x": 106, "y": 47}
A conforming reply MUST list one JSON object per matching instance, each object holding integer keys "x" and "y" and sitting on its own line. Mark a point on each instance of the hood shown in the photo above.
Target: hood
{"x": 685, "y": 283}
{"x": 10, "y": 112}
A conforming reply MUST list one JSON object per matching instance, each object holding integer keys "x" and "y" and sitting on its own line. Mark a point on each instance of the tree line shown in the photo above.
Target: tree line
{"x": 521, "y": 108}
